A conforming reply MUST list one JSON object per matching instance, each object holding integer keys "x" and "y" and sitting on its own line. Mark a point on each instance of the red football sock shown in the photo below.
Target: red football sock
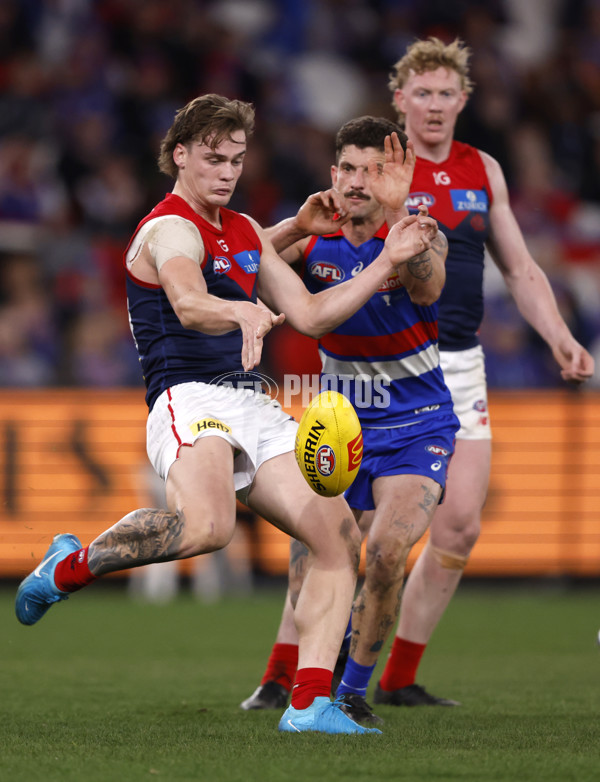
{"x": 310, "y": 684}
{"x": 282, "y": 665}
{"x": 73, "y": 572}
{"x": 401, "y": 667}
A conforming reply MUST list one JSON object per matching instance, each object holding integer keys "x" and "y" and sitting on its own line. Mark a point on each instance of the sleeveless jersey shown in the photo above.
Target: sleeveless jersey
{"x": 169, "y": 353}
{"x": 458, "y": 194}
{"x": 385, "y": 357}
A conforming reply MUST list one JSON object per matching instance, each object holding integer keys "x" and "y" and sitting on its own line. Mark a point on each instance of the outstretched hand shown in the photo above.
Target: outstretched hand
{"x": 255, "y": 321}
{"x": 411, "y": 236}
{"x": 322, "y": 213}
{"x": 390, "y": 183}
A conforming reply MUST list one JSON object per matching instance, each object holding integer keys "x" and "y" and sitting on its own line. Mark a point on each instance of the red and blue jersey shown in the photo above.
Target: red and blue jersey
{"x": 458, "y": 194}
{"x": 169, "y": 353}
{"x": 385, "y": 357}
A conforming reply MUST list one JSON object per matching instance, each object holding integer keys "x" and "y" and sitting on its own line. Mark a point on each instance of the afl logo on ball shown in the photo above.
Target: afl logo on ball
{"x": 325, "y": 460}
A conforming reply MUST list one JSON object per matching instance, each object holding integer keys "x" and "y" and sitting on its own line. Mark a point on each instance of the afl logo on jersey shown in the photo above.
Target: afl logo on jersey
{"x": 326, "y": 271}
{"x": 415, "y": 200}
{"x": 221, "y": 265}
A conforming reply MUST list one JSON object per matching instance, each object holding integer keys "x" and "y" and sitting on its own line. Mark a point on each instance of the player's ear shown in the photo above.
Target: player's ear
{"x": 399, "y": 101}
{"x": 334, "y": 172}
{"x": 463, "y": 100}
{"x": 179, "y": 155}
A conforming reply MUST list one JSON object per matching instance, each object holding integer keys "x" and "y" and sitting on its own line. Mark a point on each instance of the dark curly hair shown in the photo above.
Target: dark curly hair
{"x": 367, "y": 131}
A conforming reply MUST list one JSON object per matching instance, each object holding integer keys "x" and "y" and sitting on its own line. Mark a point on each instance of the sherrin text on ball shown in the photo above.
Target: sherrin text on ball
{"x": 329, "y": 444}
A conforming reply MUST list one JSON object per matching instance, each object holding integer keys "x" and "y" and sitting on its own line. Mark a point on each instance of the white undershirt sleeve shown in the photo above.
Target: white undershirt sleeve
{"x": 168, "y": 237}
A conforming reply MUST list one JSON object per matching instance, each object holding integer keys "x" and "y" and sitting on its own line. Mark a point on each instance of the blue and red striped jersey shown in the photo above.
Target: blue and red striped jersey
{"x": 387, "y": 352}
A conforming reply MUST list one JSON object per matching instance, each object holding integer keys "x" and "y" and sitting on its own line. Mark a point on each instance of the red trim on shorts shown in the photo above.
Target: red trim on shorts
{"x": 173, "y": 426}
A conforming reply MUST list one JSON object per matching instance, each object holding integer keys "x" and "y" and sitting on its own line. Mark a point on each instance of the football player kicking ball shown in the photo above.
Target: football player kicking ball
{"x": 194, "y": 270}
{"x": 467, "y": 193}
{"x": 388, "y": 356}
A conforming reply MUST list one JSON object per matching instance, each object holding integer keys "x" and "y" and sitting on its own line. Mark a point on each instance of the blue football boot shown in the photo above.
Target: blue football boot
{"x": 38, "y": 591}
{"x": 322, "y": 716}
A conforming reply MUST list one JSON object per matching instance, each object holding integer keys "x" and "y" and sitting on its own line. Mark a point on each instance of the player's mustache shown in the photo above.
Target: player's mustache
{"x": 356, "y": 194}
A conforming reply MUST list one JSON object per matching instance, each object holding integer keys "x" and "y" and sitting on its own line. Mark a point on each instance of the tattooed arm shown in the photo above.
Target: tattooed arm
{"x": 424, "y": 275}
{"x": 141, "y": 537}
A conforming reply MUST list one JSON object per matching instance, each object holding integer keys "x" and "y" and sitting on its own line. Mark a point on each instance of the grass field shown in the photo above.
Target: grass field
{"x": 107, "y": 689}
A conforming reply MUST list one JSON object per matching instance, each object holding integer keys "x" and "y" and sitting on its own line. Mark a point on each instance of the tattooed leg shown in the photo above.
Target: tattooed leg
{"x": 405, "y": 506}
{"x": 297, "y": 569}
{"x": 141, "y": 537}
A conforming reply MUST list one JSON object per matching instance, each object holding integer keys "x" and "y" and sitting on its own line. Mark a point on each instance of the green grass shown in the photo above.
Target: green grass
{"x": 107, "y": 689}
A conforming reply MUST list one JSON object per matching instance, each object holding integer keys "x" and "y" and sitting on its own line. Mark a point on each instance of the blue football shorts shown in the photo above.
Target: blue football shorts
{"x": 423, "y": 448}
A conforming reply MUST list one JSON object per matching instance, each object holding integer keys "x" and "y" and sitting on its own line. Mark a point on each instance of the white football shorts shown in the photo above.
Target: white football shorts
{"x": 464, "y": 373}
{"x": 253, "y": 423}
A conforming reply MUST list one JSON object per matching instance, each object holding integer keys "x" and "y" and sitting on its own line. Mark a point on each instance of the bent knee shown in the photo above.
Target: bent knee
{"x": 206, "y": 534}
{"x": 460, "y": 538}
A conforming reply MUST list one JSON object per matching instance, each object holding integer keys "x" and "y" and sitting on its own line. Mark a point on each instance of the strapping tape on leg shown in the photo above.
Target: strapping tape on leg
{"x": 448, "y": 559}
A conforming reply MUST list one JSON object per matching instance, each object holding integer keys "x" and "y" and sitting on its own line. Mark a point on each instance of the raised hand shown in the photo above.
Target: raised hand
{"x": 411, "y": 236}
{"x": 322, "y": 213}
{"x": 390, "y": 183}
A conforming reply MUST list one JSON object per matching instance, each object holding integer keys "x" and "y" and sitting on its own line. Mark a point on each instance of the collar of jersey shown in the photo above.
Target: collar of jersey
{"x": 380, "y": 233}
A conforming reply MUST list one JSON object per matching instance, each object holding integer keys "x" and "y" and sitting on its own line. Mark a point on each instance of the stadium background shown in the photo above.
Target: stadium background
{"x": 87, "y": 90}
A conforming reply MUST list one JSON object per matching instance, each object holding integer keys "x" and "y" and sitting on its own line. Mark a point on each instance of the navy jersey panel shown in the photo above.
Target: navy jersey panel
{"x": 385, "y": 357}
{"x": 458, "y": 194}
{"x": 169, "y": 353}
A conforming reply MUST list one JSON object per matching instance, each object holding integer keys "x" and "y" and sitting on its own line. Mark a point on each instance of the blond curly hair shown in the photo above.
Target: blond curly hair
{"x": 429, "y": 55}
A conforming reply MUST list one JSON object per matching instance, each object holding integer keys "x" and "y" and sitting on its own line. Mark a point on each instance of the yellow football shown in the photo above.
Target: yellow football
{"x": 329, "y": 444}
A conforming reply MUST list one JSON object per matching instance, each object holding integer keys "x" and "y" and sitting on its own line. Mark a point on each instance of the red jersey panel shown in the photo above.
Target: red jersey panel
{"x": 170, "y": 354}
{"x": 458, "y": 194}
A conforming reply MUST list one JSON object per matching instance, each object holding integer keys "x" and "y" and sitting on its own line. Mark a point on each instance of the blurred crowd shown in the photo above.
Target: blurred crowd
{"x": 89, "y": 87}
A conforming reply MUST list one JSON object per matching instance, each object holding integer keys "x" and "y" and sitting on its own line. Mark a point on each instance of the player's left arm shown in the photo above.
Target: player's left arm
{"x": 317, "y": 314}
{"x": 528, "y": 283}
{"x": 424, "y": 276}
